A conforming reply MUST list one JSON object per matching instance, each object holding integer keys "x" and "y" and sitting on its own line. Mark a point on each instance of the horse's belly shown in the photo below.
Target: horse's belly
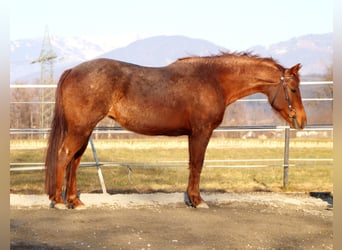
{"x": 153, "y": 121}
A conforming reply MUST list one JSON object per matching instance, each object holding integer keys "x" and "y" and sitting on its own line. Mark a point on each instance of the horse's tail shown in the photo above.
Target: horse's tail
{"x": 56, "y": 137}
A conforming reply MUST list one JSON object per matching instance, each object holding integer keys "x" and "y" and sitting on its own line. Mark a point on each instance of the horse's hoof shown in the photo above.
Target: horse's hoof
{"x": 187, "y": 200}
{"x": 76, "y": 204}
{"x": 202, "y": 205}
{"x": 189, "y": 203}
{"x": 59, "y": 206}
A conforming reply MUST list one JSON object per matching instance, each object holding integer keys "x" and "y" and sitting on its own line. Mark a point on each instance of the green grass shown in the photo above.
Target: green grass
{"x": 150, "y": 160}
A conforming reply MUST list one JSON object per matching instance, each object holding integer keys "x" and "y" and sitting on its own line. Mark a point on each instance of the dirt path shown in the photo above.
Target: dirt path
{"x": 162, "y": 221}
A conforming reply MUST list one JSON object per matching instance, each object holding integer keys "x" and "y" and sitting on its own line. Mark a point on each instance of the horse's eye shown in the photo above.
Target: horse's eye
{"x": 293, "y": 90}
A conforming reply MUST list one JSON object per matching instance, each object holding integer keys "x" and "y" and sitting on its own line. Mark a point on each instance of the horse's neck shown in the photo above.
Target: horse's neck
{"x": 245, "y": 81}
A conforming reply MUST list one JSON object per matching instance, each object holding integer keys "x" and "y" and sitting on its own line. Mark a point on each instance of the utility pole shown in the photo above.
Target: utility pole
{"x": 46, "y": 60}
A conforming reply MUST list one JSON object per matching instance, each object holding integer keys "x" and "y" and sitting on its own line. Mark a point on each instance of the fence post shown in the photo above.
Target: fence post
{"x": 99, "y": 172}
{"x": 286, "y": 156}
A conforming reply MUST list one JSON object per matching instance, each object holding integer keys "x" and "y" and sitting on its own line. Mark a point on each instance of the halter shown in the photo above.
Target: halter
{"x": 292, "y": 111}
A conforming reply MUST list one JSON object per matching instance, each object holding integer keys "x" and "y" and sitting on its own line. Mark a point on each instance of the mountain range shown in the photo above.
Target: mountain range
{"x": 314, "y": 52}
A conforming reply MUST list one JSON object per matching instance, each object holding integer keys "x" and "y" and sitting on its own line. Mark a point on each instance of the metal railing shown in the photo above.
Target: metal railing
{"x": 98, "y": 164}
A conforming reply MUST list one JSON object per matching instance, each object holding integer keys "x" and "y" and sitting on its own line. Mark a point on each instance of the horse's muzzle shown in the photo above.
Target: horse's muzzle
{"x": 297, "y": 125}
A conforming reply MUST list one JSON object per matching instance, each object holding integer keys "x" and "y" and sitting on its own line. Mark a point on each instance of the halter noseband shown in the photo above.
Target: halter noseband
{"x": 292, "y": 111}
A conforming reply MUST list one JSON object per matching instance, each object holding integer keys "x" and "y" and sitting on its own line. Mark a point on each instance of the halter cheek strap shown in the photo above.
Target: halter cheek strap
{"x": 292, "y": 111}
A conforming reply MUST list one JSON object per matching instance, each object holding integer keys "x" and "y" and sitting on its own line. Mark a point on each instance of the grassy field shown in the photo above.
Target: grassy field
{"x": 160, "y": 164}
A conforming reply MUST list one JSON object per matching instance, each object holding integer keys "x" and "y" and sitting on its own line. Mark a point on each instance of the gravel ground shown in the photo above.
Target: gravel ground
{"x": 163, "y": 221}
{"x": 162, "y": 199}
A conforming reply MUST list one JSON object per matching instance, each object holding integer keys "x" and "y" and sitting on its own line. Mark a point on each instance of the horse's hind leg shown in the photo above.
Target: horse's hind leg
{"x": 63, "y": 160}
{"x": 71, "y": 145}
{"x": 72, "y": 199}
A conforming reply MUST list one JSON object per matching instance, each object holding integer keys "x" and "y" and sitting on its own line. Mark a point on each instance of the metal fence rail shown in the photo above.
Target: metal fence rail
{"x": 120, "y": 130}
{"x": 286, "y": 162}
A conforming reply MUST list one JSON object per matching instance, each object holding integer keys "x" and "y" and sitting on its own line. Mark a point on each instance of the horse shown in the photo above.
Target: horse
{"x": 187, "y": 97}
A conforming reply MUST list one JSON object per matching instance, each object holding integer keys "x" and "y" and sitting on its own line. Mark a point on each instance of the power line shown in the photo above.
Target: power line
{"x": 46, "y": 60}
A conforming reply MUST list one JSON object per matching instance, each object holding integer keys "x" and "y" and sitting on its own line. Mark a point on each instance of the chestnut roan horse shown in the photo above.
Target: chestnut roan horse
{"x": 187, "y": 97}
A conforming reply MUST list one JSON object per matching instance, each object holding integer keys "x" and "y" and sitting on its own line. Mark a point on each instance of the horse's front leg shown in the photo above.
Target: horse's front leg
{"x": 197, "y": 147}
{"x": 68, "y": 161}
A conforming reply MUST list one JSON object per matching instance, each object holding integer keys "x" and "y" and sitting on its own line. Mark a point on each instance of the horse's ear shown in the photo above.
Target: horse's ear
{"x": 294, "y": 70}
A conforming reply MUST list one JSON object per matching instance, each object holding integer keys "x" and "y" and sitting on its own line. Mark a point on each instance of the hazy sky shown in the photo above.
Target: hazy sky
{"x": 235, "y": 25}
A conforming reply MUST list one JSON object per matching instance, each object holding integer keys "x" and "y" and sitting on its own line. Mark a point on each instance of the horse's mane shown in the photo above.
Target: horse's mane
{"x": 232, "y": 56}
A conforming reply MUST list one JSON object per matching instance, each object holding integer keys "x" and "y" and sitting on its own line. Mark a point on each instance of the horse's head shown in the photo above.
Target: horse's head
{"x": 286, "y": 98}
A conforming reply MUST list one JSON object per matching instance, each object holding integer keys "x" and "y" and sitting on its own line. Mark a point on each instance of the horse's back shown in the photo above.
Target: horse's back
{"x": 146, "y": 100}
